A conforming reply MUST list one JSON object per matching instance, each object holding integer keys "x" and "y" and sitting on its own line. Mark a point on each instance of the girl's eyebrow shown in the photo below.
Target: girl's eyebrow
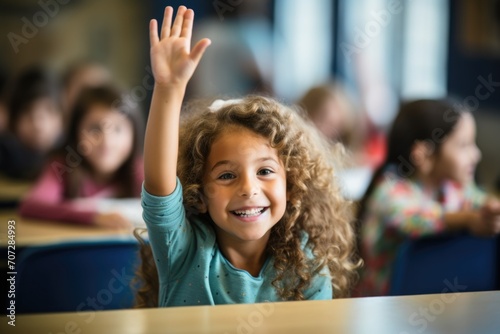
{"x": 228, "y": 162}
{"x": 268, "y": 159}
{"x": 220, "y": 163}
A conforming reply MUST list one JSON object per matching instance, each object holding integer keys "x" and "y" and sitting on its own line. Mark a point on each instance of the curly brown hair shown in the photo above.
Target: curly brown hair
{"x": 315, "y": 206}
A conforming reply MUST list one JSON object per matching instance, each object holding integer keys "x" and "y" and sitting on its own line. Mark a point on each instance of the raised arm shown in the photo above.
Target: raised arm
{"x": 173, "y": 62}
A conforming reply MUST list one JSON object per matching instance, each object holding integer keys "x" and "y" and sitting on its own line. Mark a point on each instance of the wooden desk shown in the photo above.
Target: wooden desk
{"x": 13, "y": 190}
{"x": 31, "y": 232}
{"x": 473, "y": 312}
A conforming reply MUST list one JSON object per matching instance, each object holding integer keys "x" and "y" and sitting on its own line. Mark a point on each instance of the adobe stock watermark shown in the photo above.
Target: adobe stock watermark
{"x": 223, "y": 6}
{"x": 254, "y": 319}
{"x": 105, "y": 296}
{"x": 31, "y": 28}
{"x": 420, "y": 319}
{"x": 364, "y": 37}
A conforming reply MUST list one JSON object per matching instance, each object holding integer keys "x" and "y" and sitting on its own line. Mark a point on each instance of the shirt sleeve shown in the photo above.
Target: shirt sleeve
{"x": 170, "y": 233}
{"x": 46, "y": 201}
{"x": 403, "y": 206}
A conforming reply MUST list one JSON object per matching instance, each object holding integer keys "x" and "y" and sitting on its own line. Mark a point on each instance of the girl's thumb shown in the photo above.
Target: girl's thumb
{"x": 199, "y": 49}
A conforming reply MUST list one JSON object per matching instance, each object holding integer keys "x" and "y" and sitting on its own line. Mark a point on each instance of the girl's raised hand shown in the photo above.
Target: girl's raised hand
{"x": 172, "y": 59}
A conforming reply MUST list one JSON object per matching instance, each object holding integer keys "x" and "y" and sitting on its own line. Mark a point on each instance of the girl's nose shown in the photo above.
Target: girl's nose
{"x": 249, "y": 187}
{"x": 478, "y": 154}
{"x": 108, "y": 138}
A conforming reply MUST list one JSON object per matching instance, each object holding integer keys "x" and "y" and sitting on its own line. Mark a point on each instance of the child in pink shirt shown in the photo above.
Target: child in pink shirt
{"x": 101, "y": 159}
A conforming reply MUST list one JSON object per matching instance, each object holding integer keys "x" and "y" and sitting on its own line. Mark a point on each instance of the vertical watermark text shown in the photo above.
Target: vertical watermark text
{"x": 11, "y": 272}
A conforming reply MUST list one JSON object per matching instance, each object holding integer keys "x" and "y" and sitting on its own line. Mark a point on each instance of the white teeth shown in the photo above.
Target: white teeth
{"x": 249, "y": 213}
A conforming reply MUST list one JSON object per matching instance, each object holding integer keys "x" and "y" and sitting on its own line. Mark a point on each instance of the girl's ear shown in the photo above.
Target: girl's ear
{"x": 422, "y": 156}
{"x": 202, "y": 205}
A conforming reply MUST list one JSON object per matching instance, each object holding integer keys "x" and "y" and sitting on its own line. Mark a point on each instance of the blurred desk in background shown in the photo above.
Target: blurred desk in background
{"x": 70, "y": 242}
{"x": 474, "y": 312}
{"x": 12, "y": 191}
{"x": 30, "y": 232}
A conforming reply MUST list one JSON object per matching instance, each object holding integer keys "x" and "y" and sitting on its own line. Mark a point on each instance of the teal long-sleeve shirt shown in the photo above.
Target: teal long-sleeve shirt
{"x": 193, "y": 271}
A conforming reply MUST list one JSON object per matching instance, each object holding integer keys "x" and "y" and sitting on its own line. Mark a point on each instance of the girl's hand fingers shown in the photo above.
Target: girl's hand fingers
{"x": 187, "y": 25}
{"x": 153, "y": 32}
{"x": 167, "y": 22}
{"x": 171, "y": 57}
{"x": 179, "y": 19}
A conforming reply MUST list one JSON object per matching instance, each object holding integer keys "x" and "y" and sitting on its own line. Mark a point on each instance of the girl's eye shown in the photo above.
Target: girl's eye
{"x": 465, "y": 144}
{"x": 94, "y": 129}
{"x": 265, "y": 171}
{"x": 226, "y": 176}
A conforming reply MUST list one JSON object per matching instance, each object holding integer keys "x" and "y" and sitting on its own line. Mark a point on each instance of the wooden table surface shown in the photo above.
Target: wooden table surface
{"x": 454, "y": 313}
{"x": 31, "y": 232}
{"x": 12, "y": 189}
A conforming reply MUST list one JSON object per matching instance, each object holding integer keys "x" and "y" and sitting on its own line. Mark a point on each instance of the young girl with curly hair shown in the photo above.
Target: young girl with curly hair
{"x": 241, "y": 204}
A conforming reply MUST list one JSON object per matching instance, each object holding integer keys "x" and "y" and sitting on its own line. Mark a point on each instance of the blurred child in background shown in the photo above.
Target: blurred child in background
{"x": 100, "y": 159}
{"x": 424, "y": 187}
{"x": 35, "y": 125}
{"x": 334, "y": 113}
{"x": 77, "y": 77}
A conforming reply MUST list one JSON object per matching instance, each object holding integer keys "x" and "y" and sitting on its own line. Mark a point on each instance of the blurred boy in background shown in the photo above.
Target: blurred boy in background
{"x": 35, "y": 124}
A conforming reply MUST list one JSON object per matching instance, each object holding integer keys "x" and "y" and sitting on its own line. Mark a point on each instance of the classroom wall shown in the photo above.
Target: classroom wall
{"x": 112, "y": 32}
{"x": 474, "y": 49}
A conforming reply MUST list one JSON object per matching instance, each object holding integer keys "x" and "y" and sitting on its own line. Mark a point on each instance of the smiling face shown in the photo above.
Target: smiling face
{"x": 459, "y": 154}
{"x": 106, "y": 138}
{"x": 244, "y": 186}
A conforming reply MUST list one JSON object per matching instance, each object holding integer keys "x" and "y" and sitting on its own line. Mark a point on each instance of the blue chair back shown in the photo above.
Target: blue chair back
{"x": 447, "y": 263}
{"x": 76, "y": 276}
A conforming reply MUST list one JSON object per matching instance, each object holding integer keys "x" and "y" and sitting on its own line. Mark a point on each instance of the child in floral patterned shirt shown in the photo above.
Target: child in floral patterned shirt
{"x": 425, "y": 187}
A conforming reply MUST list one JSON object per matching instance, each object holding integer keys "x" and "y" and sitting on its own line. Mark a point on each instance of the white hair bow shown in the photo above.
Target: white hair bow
{"x": 218, "y": 104}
